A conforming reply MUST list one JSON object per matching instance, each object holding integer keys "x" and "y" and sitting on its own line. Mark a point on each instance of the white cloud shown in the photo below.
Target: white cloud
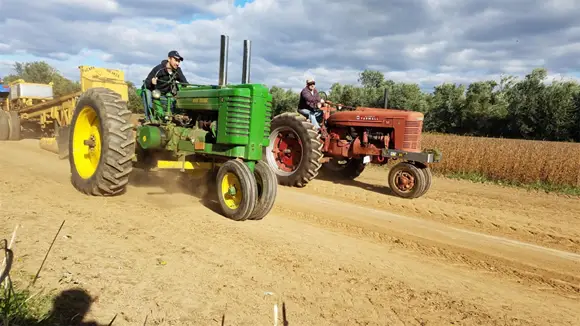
{"x": 422, "y": 41}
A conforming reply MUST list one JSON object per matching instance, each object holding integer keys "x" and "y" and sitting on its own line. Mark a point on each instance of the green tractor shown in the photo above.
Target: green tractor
{"x": 220, "y": 129}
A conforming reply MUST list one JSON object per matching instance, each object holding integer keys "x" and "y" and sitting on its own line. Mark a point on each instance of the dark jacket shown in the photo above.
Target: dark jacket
{"x": 308, "y": 101}
{"x": 160, "y": 71}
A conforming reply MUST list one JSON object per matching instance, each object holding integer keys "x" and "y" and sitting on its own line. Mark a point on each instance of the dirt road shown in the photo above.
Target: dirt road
{"x": 335, "y": 254}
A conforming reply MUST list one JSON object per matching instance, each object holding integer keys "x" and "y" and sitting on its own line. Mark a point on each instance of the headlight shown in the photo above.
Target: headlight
{"x": 156, "y": 94}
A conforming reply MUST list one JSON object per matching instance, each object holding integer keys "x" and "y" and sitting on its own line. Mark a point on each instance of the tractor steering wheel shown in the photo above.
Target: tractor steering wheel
{"x": 325, "y": 97}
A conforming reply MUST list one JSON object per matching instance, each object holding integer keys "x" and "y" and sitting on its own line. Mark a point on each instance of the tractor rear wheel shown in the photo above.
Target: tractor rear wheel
{"x": 101, "y": 143}
{"x": 236, "y": 190}
{"x": 4, "y": 125}
{"x": 14, "y": 121}
{"x": 406, "y": 180}
{"x": 295, "y": 149}
{"x": 267, "y": 190}
{"x": 351, "y": 169}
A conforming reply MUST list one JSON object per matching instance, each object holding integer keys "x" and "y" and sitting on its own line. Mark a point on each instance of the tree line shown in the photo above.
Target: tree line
{"x": 530, "y": 108}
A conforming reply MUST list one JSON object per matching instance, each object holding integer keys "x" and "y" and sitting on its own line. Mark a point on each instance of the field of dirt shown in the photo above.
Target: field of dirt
{"x": 334, "y": 254}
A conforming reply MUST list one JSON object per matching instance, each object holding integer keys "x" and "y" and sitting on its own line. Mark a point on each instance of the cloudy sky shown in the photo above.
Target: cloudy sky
{"x": 422, "y": 41}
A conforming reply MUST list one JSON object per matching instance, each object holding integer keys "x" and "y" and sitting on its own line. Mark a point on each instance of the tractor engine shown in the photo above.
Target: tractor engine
{"x": 373, "y": 132}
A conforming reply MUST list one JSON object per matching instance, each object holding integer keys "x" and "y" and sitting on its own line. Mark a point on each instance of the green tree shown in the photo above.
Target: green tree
{"x": 557, "y": 112}
{"x": 446, "y": 113}
{"x": 371, "y": 78}
{"x": 524, "y": 108}
{"x": 283, "y": 101}
{"x": 575, "y": 125}
{"x": 135, "y": 103}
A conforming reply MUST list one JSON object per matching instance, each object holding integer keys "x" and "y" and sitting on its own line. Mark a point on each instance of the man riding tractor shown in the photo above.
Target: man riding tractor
{"x": 310, "y": 103}
{"x": 162, "y": 76}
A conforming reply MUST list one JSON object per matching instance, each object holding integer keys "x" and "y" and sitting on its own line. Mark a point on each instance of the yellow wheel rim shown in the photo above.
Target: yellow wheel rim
{"x": 231, "y": 190}
{"x": 87, "y": 142}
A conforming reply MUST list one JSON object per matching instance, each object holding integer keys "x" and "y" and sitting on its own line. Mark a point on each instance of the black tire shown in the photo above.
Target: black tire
{"x": 427, "y": 174}
{"x": 14, "y": 121}
{"x": 267, "y": 186}
{"x": 111, "y": 175}
{"x": 310, "y": 154}
{"x": 428, "y": 179}
{"x": 245, "y": 181}
{"x": 410, "y": 170}
{"x": 4, "y": 125}
{"x": 351, "y": 170}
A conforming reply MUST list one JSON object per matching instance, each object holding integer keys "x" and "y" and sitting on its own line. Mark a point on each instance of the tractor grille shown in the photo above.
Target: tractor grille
{"x": 238, "y": 116}
{"x": 412, "y": 139}
{"x": 268, "y": 118}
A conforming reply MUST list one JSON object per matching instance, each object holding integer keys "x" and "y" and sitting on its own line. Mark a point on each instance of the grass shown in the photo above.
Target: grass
{"x": 537, "y": 186}
{"x": 541, "y": 165}
{"x": 21, "y": 307}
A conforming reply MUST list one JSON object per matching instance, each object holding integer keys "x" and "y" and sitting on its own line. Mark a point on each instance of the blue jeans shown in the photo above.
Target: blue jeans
{"x": 147, "y": 102}
{"x": 311, "y": 115}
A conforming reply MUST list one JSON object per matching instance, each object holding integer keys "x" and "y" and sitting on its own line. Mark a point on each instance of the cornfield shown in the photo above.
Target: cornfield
{"x": 523, "y": 161}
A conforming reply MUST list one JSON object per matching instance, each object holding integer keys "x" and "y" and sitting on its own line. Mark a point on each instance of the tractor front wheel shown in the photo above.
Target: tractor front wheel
{"x": 406, "y": 180}
{"x": 101, "y": 143}
{"x": 295, "y": 149}
{"x": 267, "y": 190}
{"x": 236, "y": 190}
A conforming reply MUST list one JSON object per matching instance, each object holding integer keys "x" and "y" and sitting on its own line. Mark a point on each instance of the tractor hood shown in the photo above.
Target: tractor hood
{"x": 373, "y": 115}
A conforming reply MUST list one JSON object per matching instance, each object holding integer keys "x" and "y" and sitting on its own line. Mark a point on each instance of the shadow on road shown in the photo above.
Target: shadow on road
{"x": 70, "y": 308}
{"x": 336, "y": 179}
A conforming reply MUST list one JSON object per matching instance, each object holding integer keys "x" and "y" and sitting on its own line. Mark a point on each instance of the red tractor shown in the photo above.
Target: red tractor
{"x": 349, "y": 139}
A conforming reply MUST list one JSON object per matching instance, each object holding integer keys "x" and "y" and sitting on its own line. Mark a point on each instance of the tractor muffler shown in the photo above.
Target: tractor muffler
{"x": 223, "y": 73}
{"x": 247, "y": 61}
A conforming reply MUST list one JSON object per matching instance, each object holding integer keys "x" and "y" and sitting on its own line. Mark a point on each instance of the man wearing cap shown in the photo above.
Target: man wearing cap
{"x": 159, "y": 76}
{"x": 309, "y": 102}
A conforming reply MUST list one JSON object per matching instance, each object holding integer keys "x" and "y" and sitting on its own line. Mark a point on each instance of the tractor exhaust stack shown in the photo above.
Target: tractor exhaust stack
{"x": 386, "y": 101}
{"x": 223, "y": 73}
{"x": 247, "y": 61}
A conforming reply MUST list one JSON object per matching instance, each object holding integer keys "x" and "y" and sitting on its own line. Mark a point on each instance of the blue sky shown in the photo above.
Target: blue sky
{"x": 419, "y": 41}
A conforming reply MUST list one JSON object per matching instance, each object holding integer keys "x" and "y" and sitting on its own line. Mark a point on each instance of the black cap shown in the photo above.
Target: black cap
{"x": 175, "y": 54}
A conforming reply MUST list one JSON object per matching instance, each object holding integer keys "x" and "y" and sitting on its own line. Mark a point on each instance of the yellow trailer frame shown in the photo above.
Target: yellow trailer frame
{"x": 52, "y": 117}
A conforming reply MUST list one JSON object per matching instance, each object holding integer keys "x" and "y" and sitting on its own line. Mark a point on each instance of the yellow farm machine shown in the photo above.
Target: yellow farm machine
{"x": 31, "y": 110}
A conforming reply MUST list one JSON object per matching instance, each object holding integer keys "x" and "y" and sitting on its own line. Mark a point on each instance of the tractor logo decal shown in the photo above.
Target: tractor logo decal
{"x": 369, "y": 118}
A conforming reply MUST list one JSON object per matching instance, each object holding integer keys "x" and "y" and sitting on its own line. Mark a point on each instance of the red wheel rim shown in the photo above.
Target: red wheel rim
{"x": 287, "y": 150}
{"x": 404, "y": 181}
